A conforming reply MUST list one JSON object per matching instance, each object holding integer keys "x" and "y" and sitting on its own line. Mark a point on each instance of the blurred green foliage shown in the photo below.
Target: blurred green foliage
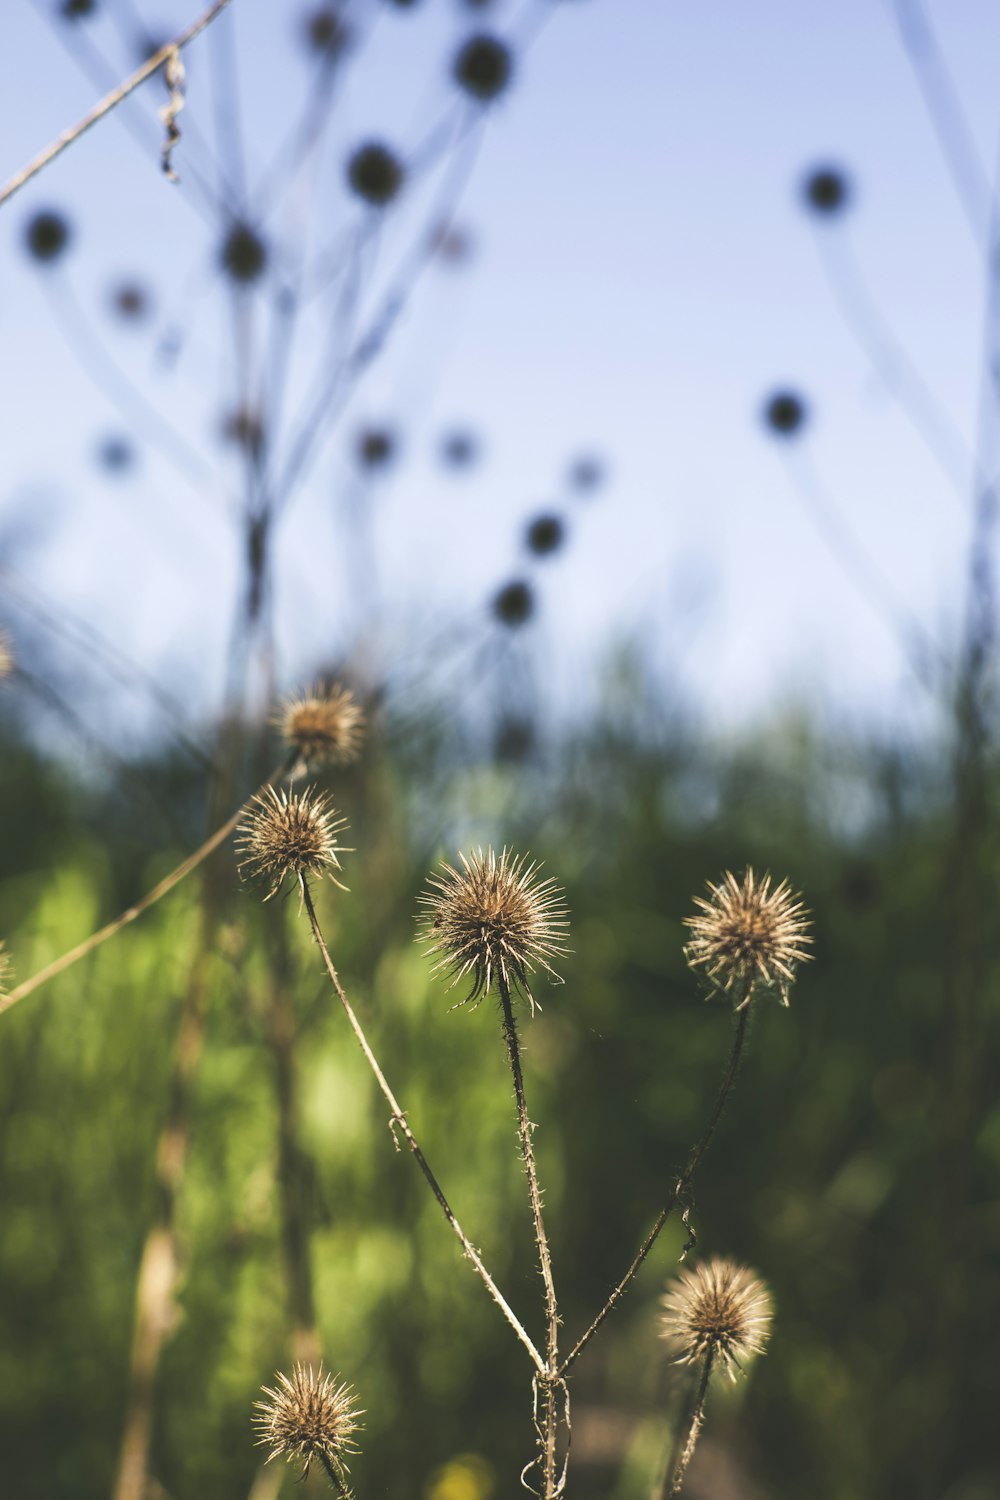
{"x": 828, "y": 1173}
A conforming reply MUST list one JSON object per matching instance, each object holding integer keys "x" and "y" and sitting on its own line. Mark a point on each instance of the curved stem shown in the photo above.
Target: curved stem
{"x": 111, "y": 100}
{"x": 399, "y": 1119}
{"x": 732, "y": 1068}
{"x": 66, "y": 961}
{"x": 681, "y": 1457}
{"x": 541, "y": 1240}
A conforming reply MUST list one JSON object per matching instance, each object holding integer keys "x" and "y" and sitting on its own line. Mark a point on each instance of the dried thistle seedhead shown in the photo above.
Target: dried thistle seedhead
{"x": 747, "y": 934}
{"x": 325, "y": 726}
{"x": 289, "y": 834}
{"x": 717, "y": 1308}
{"x": 493, "y": 917}
{"x": 7, "y": 659}
{"x": 309, "y": 1416}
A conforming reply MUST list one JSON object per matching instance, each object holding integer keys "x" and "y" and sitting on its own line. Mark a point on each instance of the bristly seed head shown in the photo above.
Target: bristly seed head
{"x": 325, "y": 726}
{"x": 749, "y": 934}
{"x": 309, "y": 1416}
{"x": 290, "y": 834}
{"x": 717, "y": 1308}
{"x": 493, "y": 917}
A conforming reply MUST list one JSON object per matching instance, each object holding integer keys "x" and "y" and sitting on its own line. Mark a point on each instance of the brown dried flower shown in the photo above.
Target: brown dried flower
{"x": 493, "y": 917}
{"x": 749, "y": 933}
{"x": 310, "y": 1416}
{"x": 325, "y": 726}
{"x": 290, "y": 834}
{"x": 717, "y": 1309}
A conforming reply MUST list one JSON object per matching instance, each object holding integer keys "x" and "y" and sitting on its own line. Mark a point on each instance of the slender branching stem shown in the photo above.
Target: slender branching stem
{"x": 66, "y": 961}
{"x": 548, "y": 1383}
{"x": 111, "y": 101}
{"x": 399, "y": 1119}
{"x": 687, "y": 1435}
{"x": 680, "y": 1187}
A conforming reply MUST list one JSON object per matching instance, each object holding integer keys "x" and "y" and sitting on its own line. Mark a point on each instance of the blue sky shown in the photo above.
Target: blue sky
{"x": 643, "y": 276}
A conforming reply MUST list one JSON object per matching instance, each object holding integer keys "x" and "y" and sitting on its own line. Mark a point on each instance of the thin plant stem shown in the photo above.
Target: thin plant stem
{"x": 548, "y": 1383}
{"x": 66, "y": 961}
{"x": 335, "y": 1478}
{"x": 687, "y": 1435}
{"x": 399, "y": 1119}
{"x": 111, "y": 101}
{"x": 680, "y": 1186}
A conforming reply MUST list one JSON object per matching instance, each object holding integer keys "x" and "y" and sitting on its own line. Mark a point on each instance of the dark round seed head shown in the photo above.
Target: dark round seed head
{"x": 375, "y": 173}
{"x": 483, "y": 66}
{"x": 826, "y": 191}
{"x": 785, "y": 413}
{"x": 545, "y": 534}
{"x": 47, "y": 235}
{"x": 243, "y": 254}
{"x": 514, "y": 604}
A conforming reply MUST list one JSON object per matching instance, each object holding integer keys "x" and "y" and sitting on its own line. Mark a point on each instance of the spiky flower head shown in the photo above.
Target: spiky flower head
{"x": 324, "y": 726}
{"x": 493, "y": 917}
{"x": 717, "y": 1308}
{"x": 309, "y": 1416}
{"x": 749, "y": 933}
{"x": 293, "y": 834}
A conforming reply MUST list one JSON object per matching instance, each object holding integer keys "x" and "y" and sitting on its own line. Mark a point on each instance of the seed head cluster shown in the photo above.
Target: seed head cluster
{"x": 324, "y": 726}
{"x": 720, "y": 1309}
{"x": 289, "y": 834}
{"x": 493, "y": 917}
{"x": 749, "y": 933}
{"x": 309, "y": 1416}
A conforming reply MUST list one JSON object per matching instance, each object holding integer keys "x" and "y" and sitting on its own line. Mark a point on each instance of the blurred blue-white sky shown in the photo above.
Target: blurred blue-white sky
{"x": 643, "y": 275}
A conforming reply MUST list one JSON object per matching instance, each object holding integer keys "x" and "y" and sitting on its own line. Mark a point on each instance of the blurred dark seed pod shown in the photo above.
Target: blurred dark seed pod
{"x": 483, "y": 67}
{"x": 545, "y": 535}
{"x": 75, "y": 10}
{"x": 375, "y": 174}
{"x": 130, "y": 301}
{"x": 785, "y": 413}
{"x": 452, "y": 244}
{"x": 376, "y": 447}
{"x": 326, "y": 31}
{"x": 47, "y": 235}
{"x": 514, "y": 739}
{"x": 459, "y": 450}
{"x": 826, "y": 191}
{"x": 243, "y": 255}
{"x": 514, "y": 604}
{"x": 115, "y": 455}
{"x": 245, "y": 429}
{"x": 586, "y": 474}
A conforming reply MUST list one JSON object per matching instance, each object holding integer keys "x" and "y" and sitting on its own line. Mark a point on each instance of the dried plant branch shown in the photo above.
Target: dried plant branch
{"x": 547, "y": 1427}
{"x": 680, "y": 1187}
{"x": 111, "y": 101}
{"x": 66, "y": 961}
{"x": 399, "y": 1119}
{"x": 687, "y": 1436}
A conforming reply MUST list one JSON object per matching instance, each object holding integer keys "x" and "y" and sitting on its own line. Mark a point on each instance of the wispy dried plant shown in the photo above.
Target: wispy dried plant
{"x": 493, "y": 921}
{"x": 311, "y": 1415}
{"x": 324, "y": 727}
{"x": 749, "y": 933}
{"x": 718, "y": 1313}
